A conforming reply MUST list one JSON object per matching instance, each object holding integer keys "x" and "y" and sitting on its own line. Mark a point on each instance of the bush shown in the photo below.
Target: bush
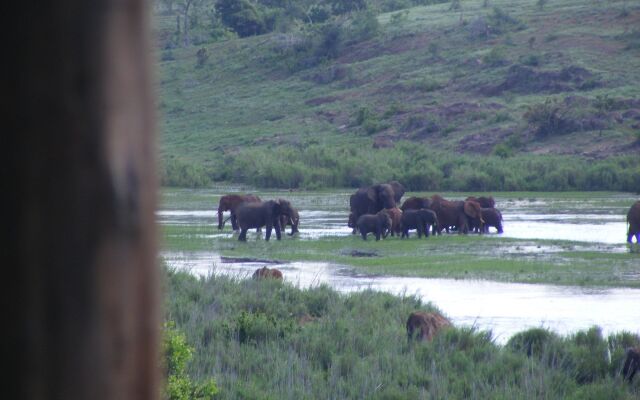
{"x": 549, "y": 118}
{"x": 177, "y": 353}
{"x": 175, "y": 172}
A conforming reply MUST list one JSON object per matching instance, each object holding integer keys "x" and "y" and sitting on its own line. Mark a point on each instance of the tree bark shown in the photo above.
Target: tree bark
{"x": 83, "y": 320}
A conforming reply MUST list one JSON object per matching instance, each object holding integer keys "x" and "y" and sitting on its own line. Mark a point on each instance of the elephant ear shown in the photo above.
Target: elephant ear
{"x": 276, "y": 208}
{"x": 472, "y": 209}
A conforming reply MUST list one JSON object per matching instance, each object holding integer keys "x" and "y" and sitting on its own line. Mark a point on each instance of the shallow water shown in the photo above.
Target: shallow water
{"x": 599, "y": 220}
{"x": 595, "y": 222}
{"x": 503, "y": 308}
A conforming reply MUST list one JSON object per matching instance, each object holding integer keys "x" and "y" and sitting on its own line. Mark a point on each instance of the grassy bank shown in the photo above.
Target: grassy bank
{"x": 418, "y": 168}
{"x": 457, "y": 257}
{"x": 267, "y": 340}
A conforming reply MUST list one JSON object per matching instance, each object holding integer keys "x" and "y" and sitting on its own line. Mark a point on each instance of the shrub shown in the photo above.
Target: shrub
{"x": 177, "y": 353}
{"x": 548, "y": 118}
{"x": 502, "y": 22}
{"x": 365, "y": 26}
{"x": 175, "y": 172}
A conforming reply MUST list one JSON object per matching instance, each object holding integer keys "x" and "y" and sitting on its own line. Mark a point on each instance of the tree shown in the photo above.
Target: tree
{"x": 241, "y": 16}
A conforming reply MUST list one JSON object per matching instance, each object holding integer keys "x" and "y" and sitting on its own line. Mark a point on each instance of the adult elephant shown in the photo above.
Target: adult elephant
{"x": 420, "y": 220}
{"x": 416, "y": 203}
{"x": 456, "y": 213}
{"x": 633, "y": 219}
{"x": 378, "y": 224}
{"x": 485, "y": 202}
{"x": 230, "y": 202}
{"x": 257, "y": 215}
{"x": 374, "y": 198}
{"x": 290, "y": 216}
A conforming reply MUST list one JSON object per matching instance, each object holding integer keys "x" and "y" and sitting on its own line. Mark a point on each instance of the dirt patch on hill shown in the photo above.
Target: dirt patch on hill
{"x": 525, "y": 80}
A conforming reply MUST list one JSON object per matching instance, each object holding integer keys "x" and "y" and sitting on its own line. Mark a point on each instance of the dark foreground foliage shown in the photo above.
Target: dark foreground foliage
{"x": 269, "y": 340}
{"x": 319, "y": 166}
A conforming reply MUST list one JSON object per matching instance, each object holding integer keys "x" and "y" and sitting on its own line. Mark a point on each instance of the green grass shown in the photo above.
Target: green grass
{"x": 247, "y": 96}
{"x": 451, "y": 256}
{"x": 248, "y": 336}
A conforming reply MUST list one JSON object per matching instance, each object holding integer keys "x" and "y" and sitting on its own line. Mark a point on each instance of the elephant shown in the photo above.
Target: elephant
{"x": 395, "y": 214}
{"x": 370, "y": 200}
{"x": 230, "y": 202}
{"x": 426, "y": 325}
{"x": 289, "y": 216}
{"x": 420, "y": 220}
{"x": 379, "y": 224}
{"x": 265, "y": 272}
{"x": 416, "y": 203}
{"x": 631, "y": 363}
{"x": 257, "y": 215}
{"x": 492, "y": 217}
{"x": 633, "y": 219}
{"x": 456, "y": 213}
{"x": 485, "y": 202}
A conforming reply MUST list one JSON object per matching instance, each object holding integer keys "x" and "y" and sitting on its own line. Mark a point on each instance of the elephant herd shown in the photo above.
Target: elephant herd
{"x": 375, "y": 210}
{"x": 249, "y": 212}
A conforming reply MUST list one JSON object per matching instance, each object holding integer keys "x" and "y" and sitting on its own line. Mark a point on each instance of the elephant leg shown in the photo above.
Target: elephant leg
{"x": 243, "y": 235}
{"x": 364, "y": 235}
{"x": 234, "y": 222}
{"x": 278, "y": 231}
{"x": 269, "y": 228}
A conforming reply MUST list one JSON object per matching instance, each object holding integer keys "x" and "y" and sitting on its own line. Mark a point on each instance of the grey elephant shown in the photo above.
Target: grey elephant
{"x": 257, "y": 215}
{"x": 420, "y": 220}
{"x": 378, "y": 224}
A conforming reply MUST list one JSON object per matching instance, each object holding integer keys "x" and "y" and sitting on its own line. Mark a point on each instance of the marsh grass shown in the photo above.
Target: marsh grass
{"x": 252, "y": 338}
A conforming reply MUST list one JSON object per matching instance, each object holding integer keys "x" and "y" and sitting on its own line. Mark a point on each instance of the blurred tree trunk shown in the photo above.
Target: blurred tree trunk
{"x": 81, "y": 292}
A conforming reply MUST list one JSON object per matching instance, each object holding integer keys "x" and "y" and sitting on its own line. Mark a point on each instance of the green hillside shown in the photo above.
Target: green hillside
{"x": 476, "y": 95}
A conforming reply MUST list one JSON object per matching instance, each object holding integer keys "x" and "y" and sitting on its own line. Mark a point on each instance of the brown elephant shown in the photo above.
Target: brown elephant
{"x": 631, "y": 363}
{"x": 423, "y": 326}
{"x": 264, "y": 272}
{"x": 290, "y": 216}
{"x": 370, "y": 200}
{"x": 230, "y": 202}
{"x": 485, "y": 202}
{"x": 257, "y": 215}
{"x": 492, "y": 218}
{"x": 395, "y": 214}
{"x": 633, "y": 219}
{"x": 379, "y": 224}
{"x": 416, "y": 203}
{"x": 457, "y": 213}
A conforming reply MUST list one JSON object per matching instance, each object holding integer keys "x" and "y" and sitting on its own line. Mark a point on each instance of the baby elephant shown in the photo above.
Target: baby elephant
{"x": 423, "y": 326}
{"x": 420, "y": 220}
{"x": 379, "y": 224}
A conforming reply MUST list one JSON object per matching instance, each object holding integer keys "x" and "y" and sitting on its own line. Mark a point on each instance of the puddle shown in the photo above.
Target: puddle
{"x": 503, "y": 308}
